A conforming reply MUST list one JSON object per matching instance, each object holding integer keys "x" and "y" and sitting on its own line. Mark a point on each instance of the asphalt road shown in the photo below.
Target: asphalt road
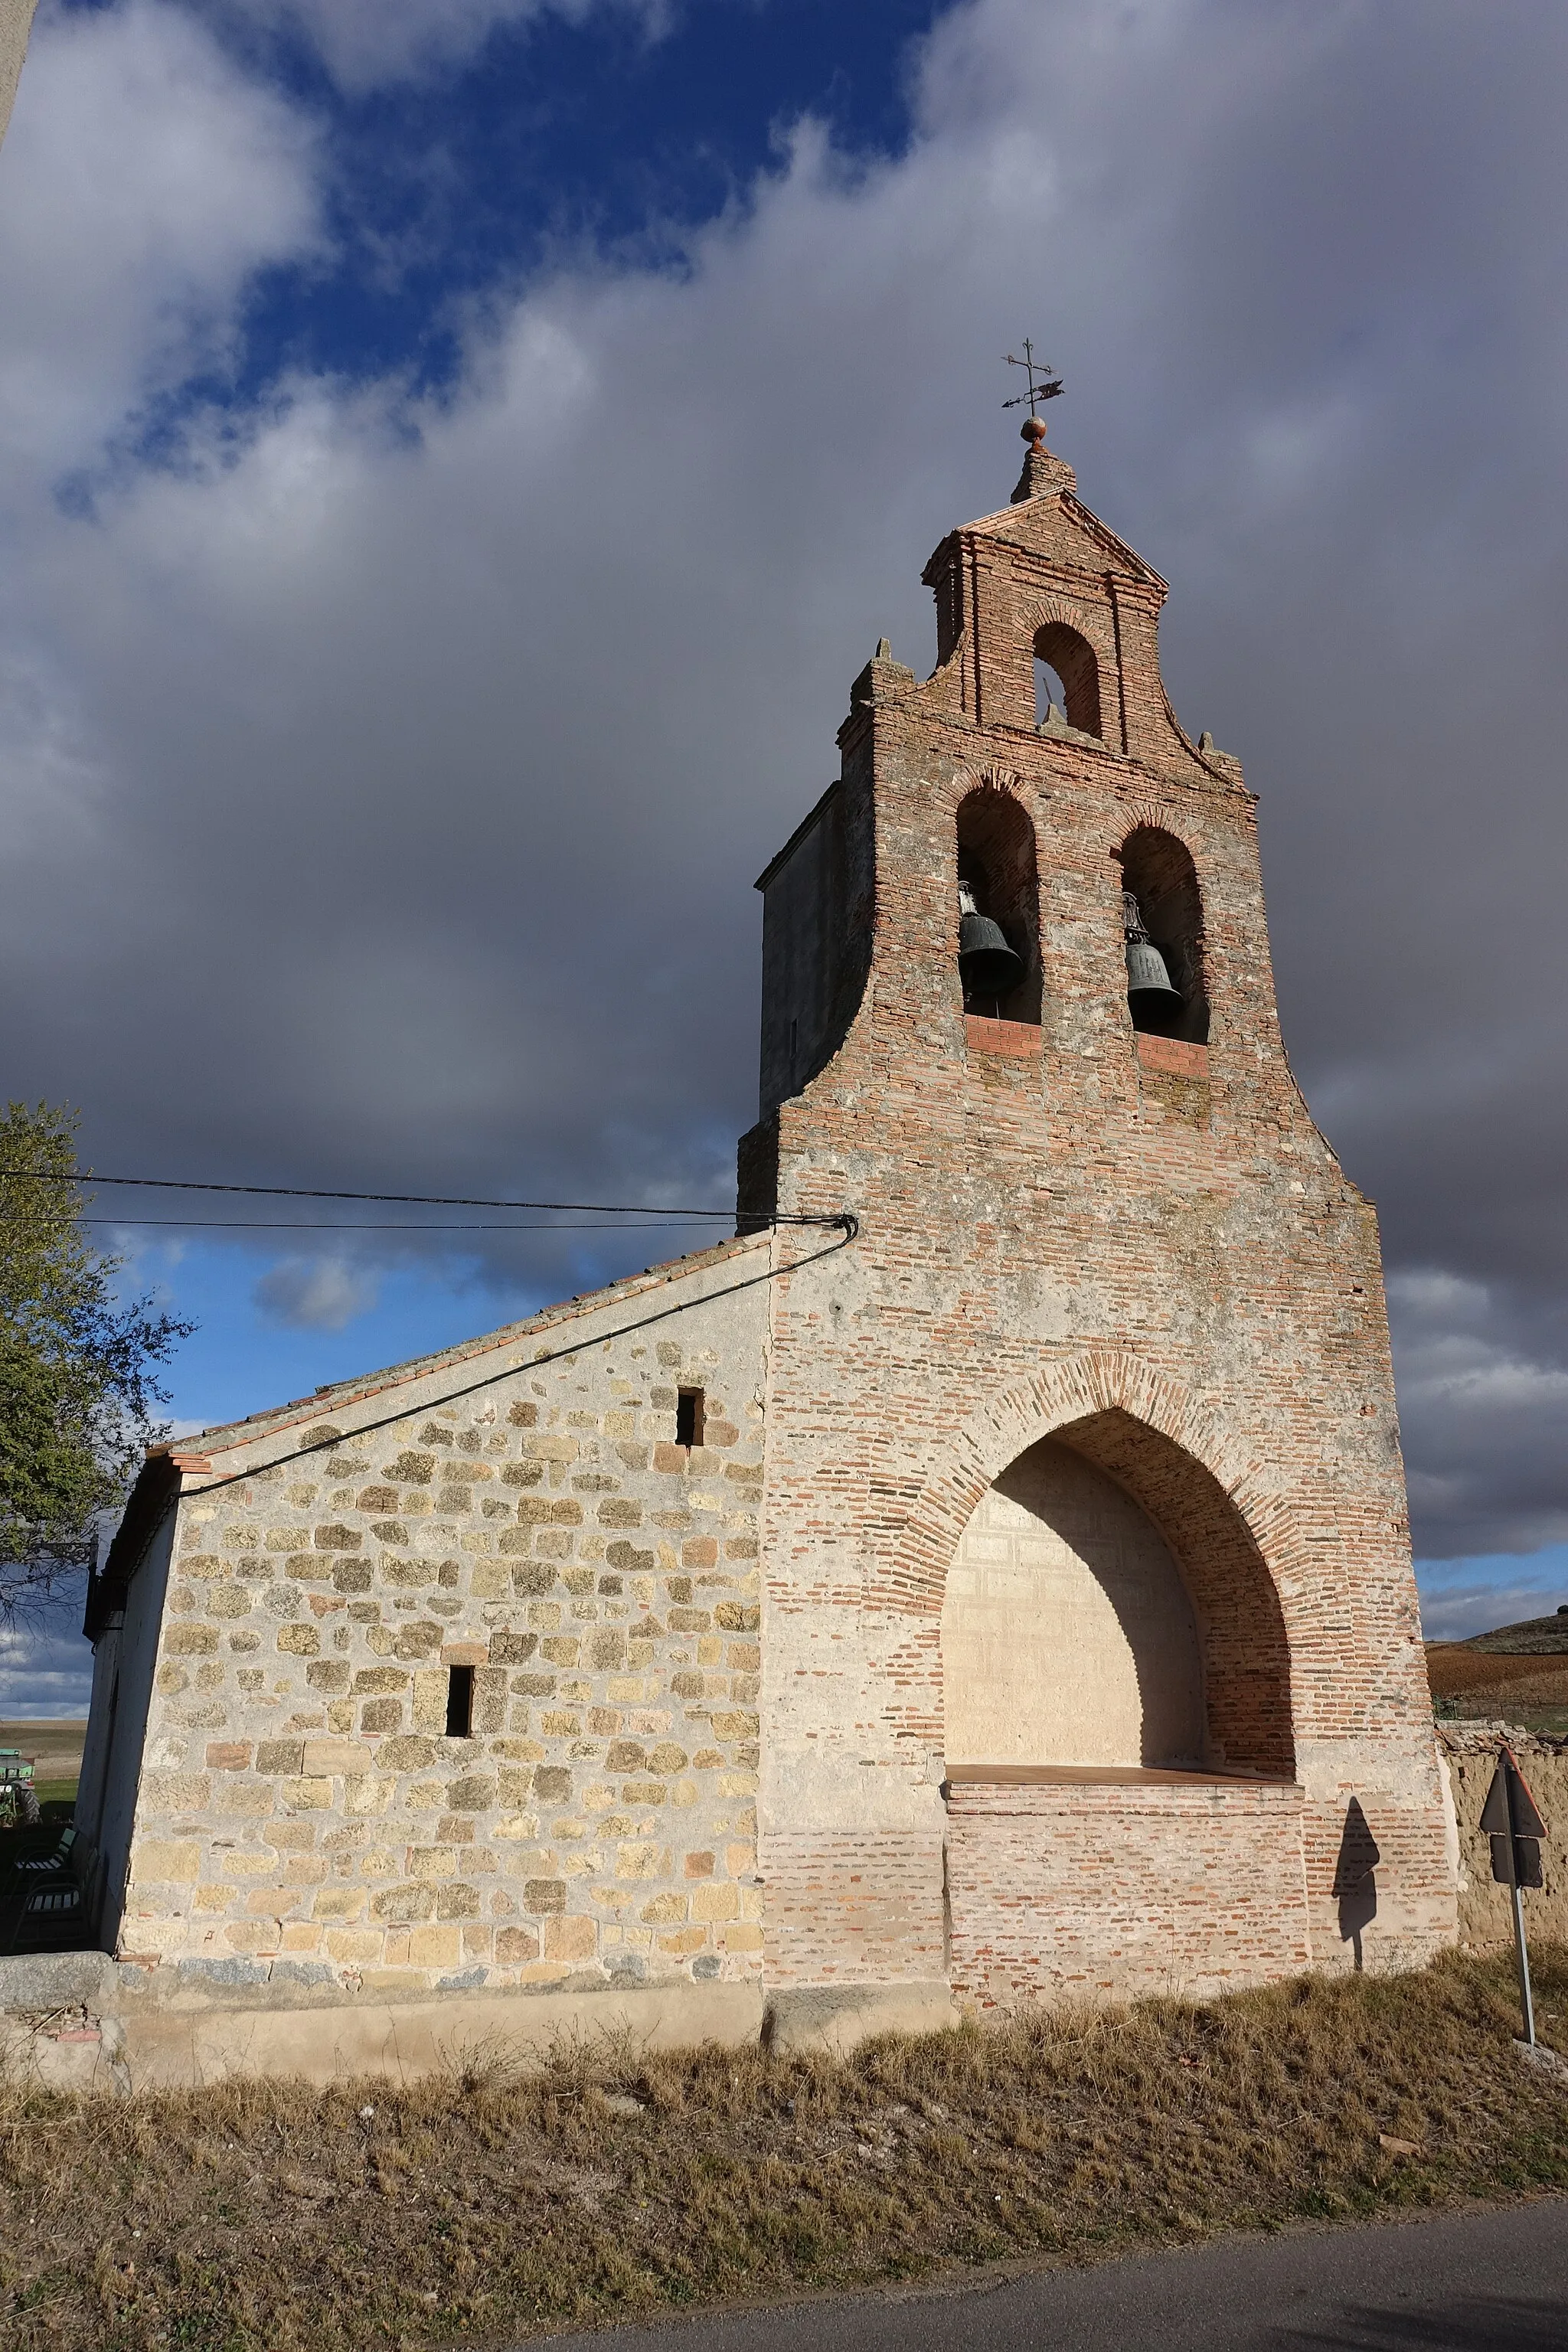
{"x": 1495, "y": 2282}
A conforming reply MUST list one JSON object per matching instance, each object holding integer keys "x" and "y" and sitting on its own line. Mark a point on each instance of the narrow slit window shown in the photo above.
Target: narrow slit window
{"x": 460, "y": 1702}
{"x": 689, "y": 1416}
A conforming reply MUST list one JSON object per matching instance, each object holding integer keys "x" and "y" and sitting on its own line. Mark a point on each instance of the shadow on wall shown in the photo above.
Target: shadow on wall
{"x": 1471, "y": 1751}
{"x": 1355, "y": 1877}
{"x": 1245, "y": 1654}
{"x": 1068, "y": 1635}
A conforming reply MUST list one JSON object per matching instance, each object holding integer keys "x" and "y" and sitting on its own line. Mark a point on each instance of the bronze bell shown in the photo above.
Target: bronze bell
{"x": 988, "y": 967}
{"x": 1149, "y": 990}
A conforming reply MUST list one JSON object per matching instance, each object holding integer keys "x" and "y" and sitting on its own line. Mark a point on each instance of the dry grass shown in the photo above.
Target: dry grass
{"x": 478, "y": 2209}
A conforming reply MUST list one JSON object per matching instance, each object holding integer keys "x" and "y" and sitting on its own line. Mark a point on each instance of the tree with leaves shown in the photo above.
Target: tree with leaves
{"x": 77, "y": 1366}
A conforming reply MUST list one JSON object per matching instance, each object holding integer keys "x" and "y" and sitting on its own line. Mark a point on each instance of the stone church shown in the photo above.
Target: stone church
{"x": 987, "y": 1576}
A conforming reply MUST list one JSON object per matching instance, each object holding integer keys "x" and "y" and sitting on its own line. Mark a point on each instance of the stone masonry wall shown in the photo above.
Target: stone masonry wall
{"x": 302, "y": 1813}
{"x": 1471, "y": 1750}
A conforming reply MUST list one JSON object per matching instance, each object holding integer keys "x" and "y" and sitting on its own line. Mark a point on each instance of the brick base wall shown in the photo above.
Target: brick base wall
{"x": 1098, "y": 1889}
{"x": 853, "y": 1908}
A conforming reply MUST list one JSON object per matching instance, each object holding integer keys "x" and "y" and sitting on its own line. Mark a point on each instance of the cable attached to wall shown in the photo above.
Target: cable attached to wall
{"x": 414, "y": 1200}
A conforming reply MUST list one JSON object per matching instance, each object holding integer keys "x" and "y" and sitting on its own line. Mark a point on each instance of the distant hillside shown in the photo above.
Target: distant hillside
{"x": 1532, "y": 1637}
{"x": 1519, "y": 1673}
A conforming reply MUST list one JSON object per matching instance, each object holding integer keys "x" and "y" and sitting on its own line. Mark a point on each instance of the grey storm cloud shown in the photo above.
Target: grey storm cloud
{"x": 386, "y": 778}
{"x": 315, "y": 1294}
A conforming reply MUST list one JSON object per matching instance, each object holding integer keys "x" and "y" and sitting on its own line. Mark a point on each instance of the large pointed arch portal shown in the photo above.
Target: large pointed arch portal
{"x": 1115, "y": 1673}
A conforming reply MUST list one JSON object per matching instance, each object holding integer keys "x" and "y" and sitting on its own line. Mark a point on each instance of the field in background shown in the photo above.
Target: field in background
{"x": 1519, "y": 1673}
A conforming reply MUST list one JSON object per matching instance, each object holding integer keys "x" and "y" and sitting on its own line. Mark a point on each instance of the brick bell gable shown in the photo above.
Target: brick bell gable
{"x": 1134, "y": 1251}
{"x": 1046, "y": 562}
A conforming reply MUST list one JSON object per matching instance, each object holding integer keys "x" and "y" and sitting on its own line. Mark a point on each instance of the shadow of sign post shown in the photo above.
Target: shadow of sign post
{"x": 1355, "y": 1877}
{"x": 1515, "y": 1828}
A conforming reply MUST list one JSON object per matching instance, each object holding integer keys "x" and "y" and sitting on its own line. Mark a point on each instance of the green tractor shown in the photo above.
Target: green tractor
{"x": 18, "y": 1797}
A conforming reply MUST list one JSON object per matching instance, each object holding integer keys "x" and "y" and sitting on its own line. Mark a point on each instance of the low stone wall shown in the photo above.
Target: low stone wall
{"x": 83, "y": 2021}
{"x": 1469, "y": 1751}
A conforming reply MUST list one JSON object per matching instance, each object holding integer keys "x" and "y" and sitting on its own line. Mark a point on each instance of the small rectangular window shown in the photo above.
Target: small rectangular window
{"x": 460, "y": 1702}
{"x": 689, "y": 1416}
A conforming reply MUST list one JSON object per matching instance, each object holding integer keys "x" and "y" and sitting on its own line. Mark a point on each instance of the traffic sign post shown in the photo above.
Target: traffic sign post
{"x": 1516, "y": 1829}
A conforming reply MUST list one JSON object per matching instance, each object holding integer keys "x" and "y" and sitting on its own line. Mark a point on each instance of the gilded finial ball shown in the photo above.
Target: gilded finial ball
{"x": 1033, "y": 430}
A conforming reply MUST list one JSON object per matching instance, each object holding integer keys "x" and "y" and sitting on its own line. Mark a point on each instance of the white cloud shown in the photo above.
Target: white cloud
{"x": 364, "y": 43}
{"x": 46, "y": 1667}
{"x": 315, "y": 1294}
{"x": 143, "y": 179}
{"x": 1481, "y": 1420}
{"x": 1454, "y": 1613}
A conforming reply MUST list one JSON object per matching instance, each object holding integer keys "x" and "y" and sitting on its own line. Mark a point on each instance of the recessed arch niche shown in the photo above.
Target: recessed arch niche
{"x": 1107, "y": 1607}
{"x": 1068, "y": 1635}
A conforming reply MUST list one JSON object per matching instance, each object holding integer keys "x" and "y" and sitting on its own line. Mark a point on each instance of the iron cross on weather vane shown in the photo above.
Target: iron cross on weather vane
{"x": 1043, "y": 381}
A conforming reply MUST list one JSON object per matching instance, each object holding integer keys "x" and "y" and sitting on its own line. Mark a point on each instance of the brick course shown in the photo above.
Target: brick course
{"x": 1187, "y": 1891}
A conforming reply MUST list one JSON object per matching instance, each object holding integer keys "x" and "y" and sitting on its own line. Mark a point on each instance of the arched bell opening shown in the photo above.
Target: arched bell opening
{"x": 998, "y": 907}
{"x": 1108, "y": 1608}
{"x": 1163, "y": 928}
{"x": 1063, "y": 658}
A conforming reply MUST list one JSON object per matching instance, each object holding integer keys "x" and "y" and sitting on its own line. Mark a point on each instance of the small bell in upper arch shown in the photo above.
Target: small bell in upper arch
{"x": 988, "y": 968}
{"x": 1150, "y": 998}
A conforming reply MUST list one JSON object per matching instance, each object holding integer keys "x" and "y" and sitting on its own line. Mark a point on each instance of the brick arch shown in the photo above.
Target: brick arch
{"x": 1051, "y": 624}
{"x": 1086, "y": 620}
{"x": 1158, "y": 866}
{"x": 1160, "y": 823}
{"x": 1159, "y": 815}
{"x": 998, "y": 857}
{"x": 1169, "y": 1449}
{"x": 991, "y": 783}
{"x": 1005, "y": 783}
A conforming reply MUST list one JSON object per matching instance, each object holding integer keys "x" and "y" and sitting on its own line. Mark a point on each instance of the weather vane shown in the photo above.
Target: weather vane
{"x": 1044, "y": 384}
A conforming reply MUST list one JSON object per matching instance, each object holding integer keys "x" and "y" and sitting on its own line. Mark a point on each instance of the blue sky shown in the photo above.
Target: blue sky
{"x": 452, "y": 178}
{"x": 455, "y": 455}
